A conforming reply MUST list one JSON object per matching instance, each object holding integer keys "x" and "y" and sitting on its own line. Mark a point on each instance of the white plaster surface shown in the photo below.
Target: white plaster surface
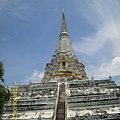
{"x": 96, "y": 111}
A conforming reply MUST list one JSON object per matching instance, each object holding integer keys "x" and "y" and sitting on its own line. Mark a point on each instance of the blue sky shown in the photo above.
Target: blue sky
{"x": 29, "y": 31}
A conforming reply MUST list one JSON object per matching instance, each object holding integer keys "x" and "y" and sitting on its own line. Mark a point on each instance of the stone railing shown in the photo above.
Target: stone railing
{"x": 91, "y": 97}
{"x": 89, "y": 83}
{"x": 89, "y": 90}
{"x": 93, "y": 103}
{"x": 55, "y": 111}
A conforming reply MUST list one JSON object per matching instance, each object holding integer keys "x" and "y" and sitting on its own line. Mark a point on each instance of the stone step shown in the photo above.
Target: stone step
{"x": 60, "y": 115}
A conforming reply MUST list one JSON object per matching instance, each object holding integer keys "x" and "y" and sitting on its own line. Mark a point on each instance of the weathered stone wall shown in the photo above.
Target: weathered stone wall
{"x": 76, "y": 68}
{"x": 92, "y": 99}
{"x": 34, "y": 100}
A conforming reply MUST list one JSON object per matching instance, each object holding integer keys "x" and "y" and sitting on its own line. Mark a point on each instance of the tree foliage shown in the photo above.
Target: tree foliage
{"x": 4, "y": 91}
{"x": 1, "y": 72}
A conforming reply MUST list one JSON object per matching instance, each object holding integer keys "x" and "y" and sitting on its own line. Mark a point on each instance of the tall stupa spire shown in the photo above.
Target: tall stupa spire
{"x": 64, "y": 45}
{"x": 64, "y": 26}
{"x": 64, "y": 62}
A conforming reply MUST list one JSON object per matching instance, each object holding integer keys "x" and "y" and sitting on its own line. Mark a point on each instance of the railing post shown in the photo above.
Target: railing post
{"x": 56, "y": 102}
{"x": 14, "y": 100}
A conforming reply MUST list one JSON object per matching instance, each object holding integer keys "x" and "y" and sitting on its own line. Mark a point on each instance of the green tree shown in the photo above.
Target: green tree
{"x": 4, "y": 91}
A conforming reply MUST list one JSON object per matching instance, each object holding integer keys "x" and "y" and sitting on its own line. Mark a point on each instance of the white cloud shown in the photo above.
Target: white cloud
{"x": 104, "y": 70}
{"x": 104, "y": 17}
{"x": 36, "y": 76}
{"x": 104, "y": 42}
{"x": 18, "y": 9}
{"x": 23, "y": 9}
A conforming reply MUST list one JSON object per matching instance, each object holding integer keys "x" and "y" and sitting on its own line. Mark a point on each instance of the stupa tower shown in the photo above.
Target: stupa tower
{"x": 64, "y": 62}
{"x": 65, "y": 92}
